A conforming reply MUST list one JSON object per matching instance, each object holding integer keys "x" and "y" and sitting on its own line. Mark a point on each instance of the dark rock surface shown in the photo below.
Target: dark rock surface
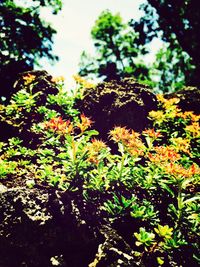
{"x": 45, "y": 228}
{"x": 20, "y": 127}
{"x": 118, "y": 103}
{"x": 189, "y": 99}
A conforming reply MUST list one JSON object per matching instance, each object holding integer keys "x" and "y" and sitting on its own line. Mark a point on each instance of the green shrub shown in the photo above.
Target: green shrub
{"x": 148, "y": 191}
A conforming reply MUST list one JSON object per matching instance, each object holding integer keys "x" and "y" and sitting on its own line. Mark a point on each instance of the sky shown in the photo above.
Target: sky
{"x": 73, "y": 25}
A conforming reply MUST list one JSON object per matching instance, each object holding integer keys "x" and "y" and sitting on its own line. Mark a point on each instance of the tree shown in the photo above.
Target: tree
{"x": 172, "y": 68}
{"x": 118, "y": 50}
{"x": 178, "y": 24}
{"x": 24, "y": 38}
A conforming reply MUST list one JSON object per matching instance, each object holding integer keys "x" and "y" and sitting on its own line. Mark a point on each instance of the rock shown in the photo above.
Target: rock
{"x": 3, "y": 188}
{"x": 40, "y": 81}
{"x": 113, "y": 251}
{"x": 46, "y": 228}
{"x": 118, "y": 103}
{"x": 39, "y": 228}
{"x": 18, "y": 123}
{"x": 189, "y": 99}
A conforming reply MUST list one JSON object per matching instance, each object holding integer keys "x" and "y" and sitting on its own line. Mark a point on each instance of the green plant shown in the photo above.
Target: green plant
{"x": 144, "y": 238}
{"x": 151, "y": 183}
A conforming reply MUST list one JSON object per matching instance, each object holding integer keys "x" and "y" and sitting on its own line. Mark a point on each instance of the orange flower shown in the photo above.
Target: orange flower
{"x": 179, "y": 171}
{"x": 189, "y": 115}
{"x": 85, "y": 123}
{"x": 164, "y": 154}
{"x": 152, "y": 133}
{"x": 193, "y": 129}
{"x": 120, "y": 134}
{"x": 97, "y": 145}
{"x": 28, "y": 78}
{"x": 60, "y": 126}
{"x": 94, "y": 149}
{"x": 130, "y": 139}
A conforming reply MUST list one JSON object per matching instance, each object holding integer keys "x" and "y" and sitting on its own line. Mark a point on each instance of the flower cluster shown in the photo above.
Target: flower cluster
{"x": 129, "y": 139}
{"x": 157, "y": 115}
{"x": 152, "y": 133}
{"x": 178, "y": 170}
{"x": 189, "y": 115}
{"x": 85, "y": 123}
{"x": 59, "y": 79}
{"x": 181, "y": 144}
{"x": 29, "y": 78}
{"x": 167, "y": 103}
{"x": 59, "y": 126}
{"x": 80, "y": 80}
{"x": 94, "y": 149}
{"x": 193, "y": 130}
{"x": 163, "y": 154}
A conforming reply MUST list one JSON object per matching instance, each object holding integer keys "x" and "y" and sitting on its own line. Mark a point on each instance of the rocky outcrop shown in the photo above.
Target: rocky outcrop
{"x": 118, "y": 103}
{"x": 45, "y": 228}
{"x": 189, "y": 99}
{"x": 40, "y": 229}
{"x": 39, "y": 85}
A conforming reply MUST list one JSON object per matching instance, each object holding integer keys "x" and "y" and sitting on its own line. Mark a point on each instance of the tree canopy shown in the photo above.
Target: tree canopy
{"x": 118, "y": 50}
{"x": 24, "y": 39}
{"x": 178, "y": 24}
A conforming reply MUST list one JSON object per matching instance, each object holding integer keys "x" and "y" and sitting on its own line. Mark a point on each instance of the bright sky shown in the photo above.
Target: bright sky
{"x": 73, "y": 25}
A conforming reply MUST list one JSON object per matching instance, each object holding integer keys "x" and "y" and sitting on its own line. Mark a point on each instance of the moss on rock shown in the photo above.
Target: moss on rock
{"x": 118, "y": 103}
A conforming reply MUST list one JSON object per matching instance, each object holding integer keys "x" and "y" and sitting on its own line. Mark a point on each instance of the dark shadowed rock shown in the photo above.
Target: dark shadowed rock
{"x": 46, "y": 228}
{"x": 38, "y": 228}
{"x": 42, "y": 82}
{"x": 118, "y": 103}
{"x": 39, "y": 84}
{"x": 189, "y": 99}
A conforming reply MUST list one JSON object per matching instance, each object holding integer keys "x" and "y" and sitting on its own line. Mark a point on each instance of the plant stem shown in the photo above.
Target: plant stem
{"x": 180, "y": 202}
{"x": 122, "y": 166}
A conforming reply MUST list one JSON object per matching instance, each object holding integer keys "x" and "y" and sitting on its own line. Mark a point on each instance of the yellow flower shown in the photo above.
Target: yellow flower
{"x": 59, "y": 79}
{"x": 181, "y": 144}
{"x": 193, "y": 129}
{"x": 157, "y": 115}
{"x": 171, "y": 102}
{"x": 80, "y": 80}
{"x": 94, "y": 149}
{"x": 28, "y": 78}
{"x": 161, "y": 98}
{"x": 167, "y": 103}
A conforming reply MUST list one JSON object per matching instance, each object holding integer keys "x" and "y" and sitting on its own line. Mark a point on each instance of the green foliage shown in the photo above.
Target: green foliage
{"x": 172, "y": 68}
{"x": 177, "y": 24}
{"x": 119, "y": 50}
{"x": 148, "y": 190}
{"x": 25, "y": 38}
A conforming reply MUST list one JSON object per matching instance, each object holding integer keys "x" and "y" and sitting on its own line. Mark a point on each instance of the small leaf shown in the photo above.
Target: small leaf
{"x": 160, "y": 260}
